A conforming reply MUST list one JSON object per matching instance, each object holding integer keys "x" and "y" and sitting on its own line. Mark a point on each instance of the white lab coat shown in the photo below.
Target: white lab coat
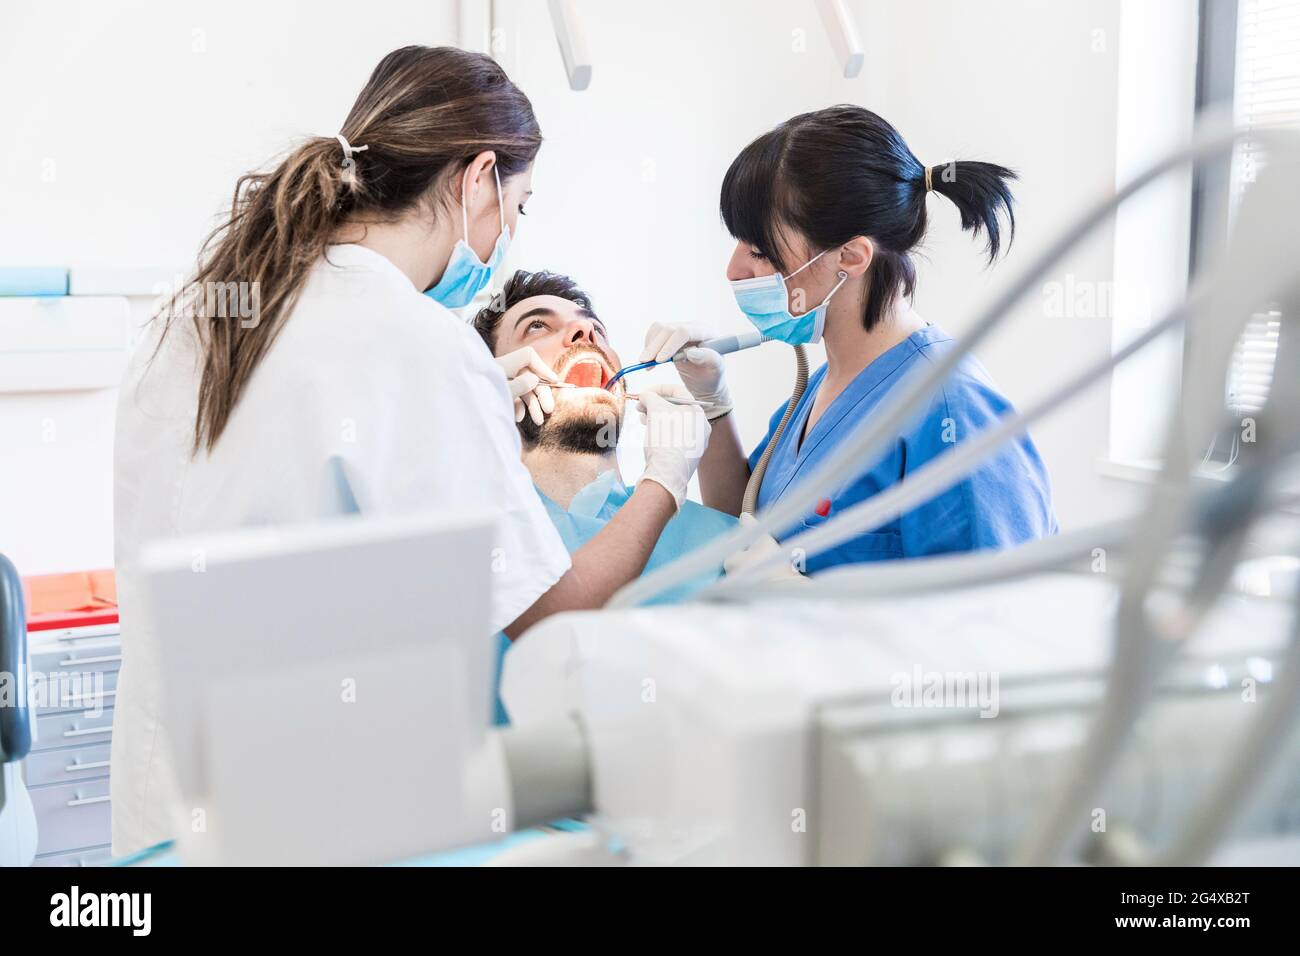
{"x": 373, "y": 398}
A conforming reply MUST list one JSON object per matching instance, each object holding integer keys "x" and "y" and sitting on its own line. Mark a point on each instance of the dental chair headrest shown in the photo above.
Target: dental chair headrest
{"x": 15, "y": 721}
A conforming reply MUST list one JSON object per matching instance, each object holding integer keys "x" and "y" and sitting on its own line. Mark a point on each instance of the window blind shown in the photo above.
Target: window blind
{"x": 1266, "y": 95}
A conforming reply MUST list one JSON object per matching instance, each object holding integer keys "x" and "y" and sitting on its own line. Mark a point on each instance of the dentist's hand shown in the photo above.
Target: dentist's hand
{"x": 527, "y": 375}
{"x": 701, "y": 370}
{"x": 675, "y": 438}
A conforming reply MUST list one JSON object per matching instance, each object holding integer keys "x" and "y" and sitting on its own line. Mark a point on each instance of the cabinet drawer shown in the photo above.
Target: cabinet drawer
{"x": 72, "y": 815}
{"x": 72, "y": 729}
{"x": 101, "y": 654}
{"x": 80, "y": 691}
{"x": 67, "y": 766}
{"x": 73, "y": 678}
{"x": 91, "y": 856}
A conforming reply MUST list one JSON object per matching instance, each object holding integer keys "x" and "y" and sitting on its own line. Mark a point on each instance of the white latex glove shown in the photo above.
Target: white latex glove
{"x": 675, "y": 438}
{"x": 701, "y": 370}
{"x": 763, "y": 547}
{"x": 527, "y": 375}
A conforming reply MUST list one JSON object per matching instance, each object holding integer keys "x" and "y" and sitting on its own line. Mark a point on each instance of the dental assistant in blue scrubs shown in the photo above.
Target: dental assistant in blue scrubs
{"x": 827, "y": 210}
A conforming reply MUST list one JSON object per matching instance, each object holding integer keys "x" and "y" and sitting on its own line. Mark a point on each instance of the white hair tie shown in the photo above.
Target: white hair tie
{"x": 348, "y": 150}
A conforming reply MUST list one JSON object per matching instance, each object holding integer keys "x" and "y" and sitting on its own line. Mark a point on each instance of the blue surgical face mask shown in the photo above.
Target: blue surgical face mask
{"x": 765, "y": 300}
{"x": 466, "y": 276}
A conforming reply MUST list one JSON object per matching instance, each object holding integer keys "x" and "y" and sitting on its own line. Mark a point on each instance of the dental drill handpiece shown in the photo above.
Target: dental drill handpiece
{"x": 723, "y": 345}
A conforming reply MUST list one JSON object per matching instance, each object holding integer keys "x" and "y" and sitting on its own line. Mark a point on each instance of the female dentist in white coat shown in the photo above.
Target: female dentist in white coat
{"x": 340, "y": 387}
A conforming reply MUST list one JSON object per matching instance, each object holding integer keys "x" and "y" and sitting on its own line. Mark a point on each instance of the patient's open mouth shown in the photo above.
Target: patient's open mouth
{"x": 587, "y": 372}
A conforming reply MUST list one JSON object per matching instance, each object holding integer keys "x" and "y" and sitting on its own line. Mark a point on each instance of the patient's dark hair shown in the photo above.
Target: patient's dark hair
{"x": 577, "y": 436}
{"x": 524, "y": 285}
{"x": 843, "y": 172}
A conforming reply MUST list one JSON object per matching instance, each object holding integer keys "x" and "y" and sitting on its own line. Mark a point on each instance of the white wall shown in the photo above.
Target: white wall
{"x": 148, "y": 111}
{"x": 135, "y": 118}
{"x": 123, "y": 127}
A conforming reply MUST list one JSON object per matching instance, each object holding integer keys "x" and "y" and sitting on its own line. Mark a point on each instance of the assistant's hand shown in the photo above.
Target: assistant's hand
{"x": 763, "y": 547}
{"x": 701, "y": 370}
{"x": 527, "y": 375}
{"x": 675, "y": 437}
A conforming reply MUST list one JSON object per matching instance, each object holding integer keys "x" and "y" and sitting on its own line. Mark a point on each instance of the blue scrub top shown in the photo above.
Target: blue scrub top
{"x": 591, "y": 509}
{"x": 1007, "y": 501}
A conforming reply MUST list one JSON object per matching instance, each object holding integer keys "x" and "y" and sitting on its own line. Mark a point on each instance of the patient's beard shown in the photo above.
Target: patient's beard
{"x": 585, "y": 428}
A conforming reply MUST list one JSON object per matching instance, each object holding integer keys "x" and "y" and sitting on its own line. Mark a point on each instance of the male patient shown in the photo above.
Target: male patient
{"x": 572, "y": 453}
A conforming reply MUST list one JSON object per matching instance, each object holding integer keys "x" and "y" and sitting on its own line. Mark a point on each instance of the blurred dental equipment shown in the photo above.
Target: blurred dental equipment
{"x": 17, "y": 815}
{"x": 852, "y": 721}
{"x": 397, "y": 704}
{"x": 723, "y": 345}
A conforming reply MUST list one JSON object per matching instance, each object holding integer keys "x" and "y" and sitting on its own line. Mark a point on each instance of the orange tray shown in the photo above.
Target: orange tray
{"x": 80, "y": 599}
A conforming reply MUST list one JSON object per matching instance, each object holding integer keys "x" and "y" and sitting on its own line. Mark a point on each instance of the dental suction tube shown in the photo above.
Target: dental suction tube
{"x": 723, "y": 345}
{"x": 726, "y": 344}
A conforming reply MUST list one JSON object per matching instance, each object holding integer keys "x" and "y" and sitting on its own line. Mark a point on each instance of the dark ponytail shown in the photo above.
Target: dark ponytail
{"x": 981, "y": 195}
{"x": 843, "y": 172}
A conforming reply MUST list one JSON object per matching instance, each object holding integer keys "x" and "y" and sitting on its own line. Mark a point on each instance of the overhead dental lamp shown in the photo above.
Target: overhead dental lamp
{"x": 843, "y": 34}
{"x": 573, "y": 43}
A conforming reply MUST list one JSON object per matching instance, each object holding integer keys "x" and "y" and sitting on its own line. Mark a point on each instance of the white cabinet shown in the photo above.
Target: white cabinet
{"x": 60, "y": 343}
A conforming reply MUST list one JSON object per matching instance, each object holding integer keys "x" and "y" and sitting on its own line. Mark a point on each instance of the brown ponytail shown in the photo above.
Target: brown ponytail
{"x": 424, "y": 111}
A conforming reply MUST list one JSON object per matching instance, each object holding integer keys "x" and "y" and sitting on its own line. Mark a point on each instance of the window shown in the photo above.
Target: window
{"x": 1249, "y": 57}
